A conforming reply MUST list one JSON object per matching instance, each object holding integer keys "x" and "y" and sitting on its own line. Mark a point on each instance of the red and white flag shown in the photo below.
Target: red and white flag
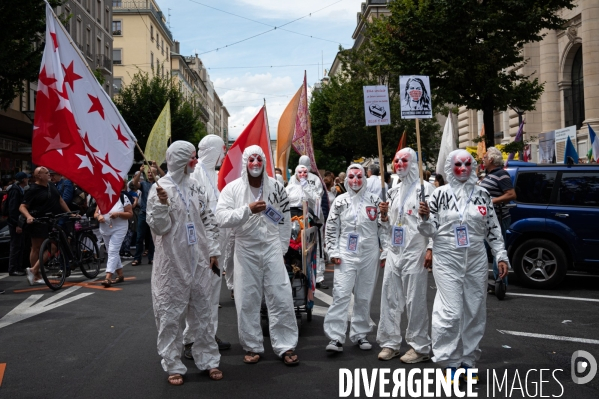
{"x": 77, "y": 129}
{"x": 255, "y": 133}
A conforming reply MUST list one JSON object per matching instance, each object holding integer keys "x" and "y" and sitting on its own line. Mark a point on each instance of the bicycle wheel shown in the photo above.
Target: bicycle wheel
{"x": 53, "y": 263}
{"x": 89, "y": 255}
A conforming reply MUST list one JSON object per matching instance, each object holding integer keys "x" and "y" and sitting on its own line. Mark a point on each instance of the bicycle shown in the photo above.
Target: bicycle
{"x": 58, "y": 255}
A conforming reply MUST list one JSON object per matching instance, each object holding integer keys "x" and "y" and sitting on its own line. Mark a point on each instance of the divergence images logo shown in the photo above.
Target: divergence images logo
{"x": 583, "y": 361}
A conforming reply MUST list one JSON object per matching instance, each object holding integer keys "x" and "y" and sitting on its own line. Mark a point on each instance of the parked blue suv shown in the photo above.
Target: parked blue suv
{"x": 555, "y": 222}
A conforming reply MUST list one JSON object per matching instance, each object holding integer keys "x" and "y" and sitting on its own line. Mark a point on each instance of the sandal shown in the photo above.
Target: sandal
{"x": 119, "y": 279}
{"x": 215, "y": 374}
{"x": 135, "y": 263}
{"x": 107, "y": 283}
{"x": 288, "y": 355}
{"x": 251, "y": 356}
{"x": 175, "y": 379}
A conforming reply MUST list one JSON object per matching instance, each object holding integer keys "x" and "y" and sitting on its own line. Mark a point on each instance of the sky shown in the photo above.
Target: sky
{"x": 242, "y": 73}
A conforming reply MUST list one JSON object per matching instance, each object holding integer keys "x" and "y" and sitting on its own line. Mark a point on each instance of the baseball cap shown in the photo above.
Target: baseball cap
{"x": 21, "y": 176}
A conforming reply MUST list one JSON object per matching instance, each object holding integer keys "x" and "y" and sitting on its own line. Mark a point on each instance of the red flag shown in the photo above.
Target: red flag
{"x": 255, "y": 133}
{"x": 403, "y": 142}
{"x": 77, "y": 129}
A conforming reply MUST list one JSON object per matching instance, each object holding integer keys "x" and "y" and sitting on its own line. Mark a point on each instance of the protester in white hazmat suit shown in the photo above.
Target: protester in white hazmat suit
{"x": 211, "y": 153}
{"x": 256, "y": 209}
{"x": 352, "y": 238}
{"x": 186, "y": 238}
{"x": 300, "y": 189}
{"x": 408, "y": 254}
{"x": 316, "y": 184}
{"x": 461, "y": 218}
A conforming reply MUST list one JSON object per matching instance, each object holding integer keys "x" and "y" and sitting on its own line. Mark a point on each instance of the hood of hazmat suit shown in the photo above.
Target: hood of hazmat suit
{"x": 461, "y": 212}
{"x": 260, "y": 243}
{"x": 211, "y": 153}
{"x": 180, "y": 275}
{"x": 298, "y": 190}
{"x": 353, "y": 230}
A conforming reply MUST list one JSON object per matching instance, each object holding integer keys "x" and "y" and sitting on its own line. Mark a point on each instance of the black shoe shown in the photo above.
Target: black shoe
{"x": 222, "y": 345}
{"x": 187, "y": 351}
{"x": 490, "y": 289}
{"x": 500, "y": 289}
{"x": 17, "y": 273}
{"x": 322, "y": 286}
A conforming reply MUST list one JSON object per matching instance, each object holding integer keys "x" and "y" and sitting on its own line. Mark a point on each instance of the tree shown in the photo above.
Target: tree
{"x": 21, "y": 40}
{"x": 141, "y": 102}
{"x": 339, "y": 130}
{"x": 469, "y": 48}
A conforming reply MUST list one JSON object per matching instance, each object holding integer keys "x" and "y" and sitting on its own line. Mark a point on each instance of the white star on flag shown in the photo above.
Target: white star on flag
{"x": 85, "y": 163}
{"x": 109, "y": 189}
{"x": 56, "y": 144}
{"x": 64, "y": 103}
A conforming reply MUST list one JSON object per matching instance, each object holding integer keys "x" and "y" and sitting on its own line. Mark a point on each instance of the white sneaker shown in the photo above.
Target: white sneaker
{"x": 364, "y": 344}
{"x": 388, "y": 354}
{"x": 30, "y": 276}
{"x": 412, "y": 356}
{"x": 334, "y": 346}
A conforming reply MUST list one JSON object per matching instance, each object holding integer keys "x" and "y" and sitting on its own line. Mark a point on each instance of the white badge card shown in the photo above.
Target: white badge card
{"x": 352, "y": 242}
{"x": 462, "y": 239}
{"x": 398, "y": 237}
{"x": 273, "y": 215}
{"x": 191, "y": 234}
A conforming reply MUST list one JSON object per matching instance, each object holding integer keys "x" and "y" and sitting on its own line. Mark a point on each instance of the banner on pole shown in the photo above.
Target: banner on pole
{"x": 376, "y": 105}
{"x": 415, "y": 95}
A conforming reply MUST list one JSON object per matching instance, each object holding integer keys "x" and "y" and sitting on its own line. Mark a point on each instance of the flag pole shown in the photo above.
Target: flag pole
{"x": 419, "y": 159}
{"x": 381, "y": 163}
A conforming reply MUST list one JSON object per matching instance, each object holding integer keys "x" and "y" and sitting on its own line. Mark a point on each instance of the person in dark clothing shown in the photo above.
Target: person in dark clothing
{"x": 65, "y": 187}
{"x": 41, "y": 198}
{"x": 15, "y": 198}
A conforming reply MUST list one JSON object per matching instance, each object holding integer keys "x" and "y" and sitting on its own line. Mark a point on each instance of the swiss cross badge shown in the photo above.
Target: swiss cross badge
{"x": 371, "y": 212}
{"x": 482, "y": 210}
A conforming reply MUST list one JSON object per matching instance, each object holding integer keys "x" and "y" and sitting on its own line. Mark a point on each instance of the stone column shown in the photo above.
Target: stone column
{"x": 549, "y": 64}
{"x": 589, "y": 33}
{"x": 506, "y": 127}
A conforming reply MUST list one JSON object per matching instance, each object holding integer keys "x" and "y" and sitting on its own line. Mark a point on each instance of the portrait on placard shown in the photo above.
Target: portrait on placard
{"x": 415, "y": 94}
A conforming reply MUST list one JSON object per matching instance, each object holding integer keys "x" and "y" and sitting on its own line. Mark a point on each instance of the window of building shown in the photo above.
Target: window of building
{"x": 579, "y": 189}
{"x": 99, "y": 11}
{"x": 86, "y": 2}
{"x": 117, "y": 3}
{"x": 88, "y": 44}
{"x": 157, "y": 40}
{"x": 117, "y": 56}
{"x": 67, "y": 25}
{"x": 152, "y": 32}
{"x": 117, "y": 28}
{"x": 98, "y": 46}
{"x": 151, "y": 60}
{"x": 162, "y": 46}
{"x": 577, "y": 90}
{"x": 78, "y": 32}
{"x": 106, "y": 18}
{"x": 534, "y": 187}
{"x": 116, "y": 85}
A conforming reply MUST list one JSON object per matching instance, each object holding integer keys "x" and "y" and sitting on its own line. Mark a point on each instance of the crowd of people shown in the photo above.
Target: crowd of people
{"x": 196, "y": 231}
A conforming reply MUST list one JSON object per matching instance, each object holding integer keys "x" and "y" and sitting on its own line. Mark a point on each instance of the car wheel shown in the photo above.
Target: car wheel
{"x": 540, "y": 263}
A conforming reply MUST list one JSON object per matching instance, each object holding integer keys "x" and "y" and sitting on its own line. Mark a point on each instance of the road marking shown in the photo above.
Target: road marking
{"x": 553, "y": 337}
{"x": 29, "y": 308}
{"x": 3, "y": 275}
{"x": 87, "y": 284}
{"x": 2, "y": 368}
{"x": 571, "y": 298}
{"x": 322, "y": 311}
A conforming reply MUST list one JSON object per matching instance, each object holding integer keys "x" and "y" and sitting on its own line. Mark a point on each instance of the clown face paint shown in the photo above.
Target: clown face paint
{"x": 221, "y": 158}
{"x": 302, "y": 174}
{"x": 462, "y": 165}
{"x": 401, "y": 163}
{"x": 354, "y": 179}
{"x": 255, "y": 165}
{"x": 192, "y": 163}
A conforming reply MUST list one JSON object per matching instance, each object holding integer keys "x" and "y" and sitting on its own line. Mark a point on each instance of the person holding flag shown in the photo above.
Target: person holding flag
{"x": 256, "y": 209}
{"x": 187, "y": 250}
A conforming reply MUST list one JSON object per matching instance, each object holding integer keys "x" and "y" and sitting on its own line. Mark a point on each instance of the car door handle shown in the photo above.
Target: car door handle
{"x": 562, "y": 215}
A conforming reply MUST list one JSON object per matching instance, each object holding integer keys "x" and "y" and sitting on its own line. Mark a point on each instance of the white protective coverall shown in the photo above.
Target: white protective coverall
{"x": 374, "y": 185}
{"x": 181, "y": 276}
{"x": 211, "y": 153}
{"x": 353, "y": 212}
{"x": 259, "y": 265}
{"x": 459, "y": 311}
{"x": 405, "y": 279}
{"x": 316, "y": 183}
{"x": 297, "y": 191}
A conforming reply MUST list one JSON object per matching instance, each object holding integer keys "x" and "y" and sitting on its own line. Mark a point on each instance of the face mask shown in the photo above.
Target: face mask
{"x": 192, "y": 163}
{"x": 302, "y": 174}
{"x": 402, "y": 164}
{"x": 255, "y": 165}
{"x": 355, "y": 179}
{"x": 462, "y": 166}
{"x": 220, "y": 160}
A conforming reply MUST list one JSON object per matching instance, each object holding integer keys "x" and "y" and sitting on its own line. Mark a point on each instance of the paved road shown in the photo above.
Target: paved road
{"x": 88, "y": 342}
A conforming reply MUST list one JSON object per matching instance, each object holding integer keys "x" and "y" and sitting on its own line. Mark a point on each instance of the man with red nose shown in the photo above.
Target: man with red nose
{"x": 459, "y": 217}
{"x": 409, "y": 254}
{"x": 256, "y": 209}
{"x": 353, "y": 231}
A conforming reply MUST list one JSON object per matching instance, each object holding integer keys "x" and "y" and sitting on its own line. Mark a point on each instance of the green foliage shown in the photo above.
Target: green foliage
{"x": 21, "y": 39}
{"x": 99, "y": 76}
{"x": 141, "y": 102}
{"x": 517, "y": 146}
{"x": 468, "y": 48}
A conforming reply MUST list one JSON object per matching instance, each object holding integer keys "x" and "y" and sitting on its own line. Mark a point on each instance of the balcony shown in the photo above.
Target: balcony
{"x": 117, "y": 32}
{"x": 104, "y": 63}
{"x": 137, "y": 7}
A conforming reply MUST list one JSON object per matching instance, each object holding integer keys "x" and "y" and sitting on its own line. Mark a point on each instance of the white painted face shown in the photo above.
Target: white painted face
{"x": 302, "y": 174}
{"x": 462, "y": 165}
{"x": 401, "y": 163}
{"x": 255, "y": 165}
{"x": 354, "y": 179}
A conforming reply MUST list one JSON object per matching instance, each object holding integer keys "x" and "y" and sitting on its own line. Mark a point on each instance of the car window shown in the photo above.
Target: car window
{"x": 579, "y": 189}
{"x": 534, "y": 187}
